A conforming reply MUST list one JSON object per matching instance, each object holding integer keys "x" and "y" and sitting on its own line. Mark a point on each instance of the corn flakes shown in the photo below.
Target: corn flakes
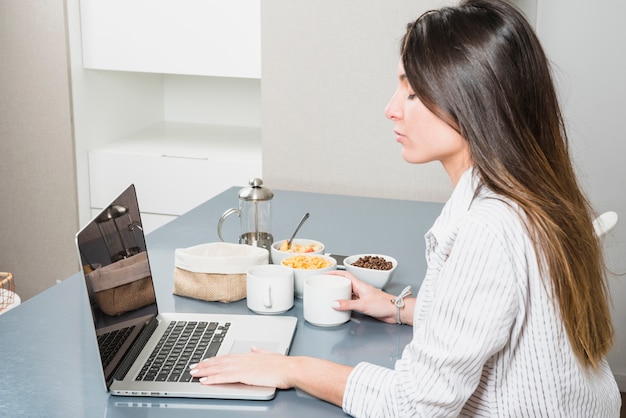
{"x": 306, "y": 262}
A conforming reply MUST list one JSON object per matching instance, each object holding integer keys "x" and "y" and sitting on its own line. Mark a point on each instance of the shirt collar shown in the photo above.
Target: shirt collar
{"x": 458, "y": 204}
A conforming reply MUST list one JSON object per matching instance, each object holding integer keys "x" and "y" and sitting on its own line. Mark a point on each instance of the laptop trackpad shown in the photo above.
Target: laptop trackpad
{"x": 242, "y": 346}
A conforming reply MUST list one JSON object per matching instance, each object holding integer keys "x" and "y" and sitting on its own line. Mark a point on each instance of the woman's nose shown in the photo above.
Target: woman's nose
{"x": 392, "y": 110}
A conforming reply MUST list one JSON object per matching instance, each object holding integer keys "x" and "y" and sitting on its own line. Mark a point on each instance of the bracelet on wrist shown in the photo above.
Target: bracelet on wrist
{"x": 399, "y": 302}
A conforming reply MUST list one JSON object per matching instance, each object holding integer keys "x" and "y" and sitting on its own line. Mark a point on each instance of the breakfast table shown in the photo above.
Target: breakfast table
{"x": 50, "y": 364}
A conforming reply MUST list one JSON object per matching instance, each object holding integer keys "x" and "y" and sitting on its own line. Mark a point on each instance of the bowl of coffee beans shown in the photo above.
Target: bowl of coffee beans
{"x": 375, "y": 269}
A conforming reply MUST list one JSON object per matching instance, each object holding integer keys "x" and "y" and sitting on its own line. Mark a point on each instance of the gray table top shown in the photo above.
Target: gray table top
{"x": 50, "y": 365}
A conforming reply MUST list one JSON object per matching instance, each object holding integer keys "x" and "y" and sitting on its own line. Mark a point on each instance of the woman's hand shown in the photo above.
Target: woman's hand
{"x": 321, "y": 378}
{"x": 258, "y": 368}
{"x": 373, "y": 302}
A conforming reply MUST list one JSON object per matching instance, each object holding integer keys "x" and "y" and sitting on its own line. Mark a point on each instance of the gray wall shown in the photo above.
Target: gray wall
{"x": 329, "y": 69}
{"x": 38, "y": 215}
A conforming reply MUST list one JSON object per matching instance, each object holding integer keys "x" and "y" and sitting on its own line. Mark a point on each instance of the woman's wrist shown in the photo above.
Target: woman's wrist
{"x": 399, "y": 303}
{"x": 318, "y": 377}
{"x": 406, "y": 313}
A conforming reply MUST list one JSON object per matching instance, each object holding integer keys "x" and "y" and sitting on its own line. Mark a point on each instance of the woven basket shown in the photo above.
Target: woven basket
{"x": 215, "y": 272}
{"x": 7, "y": 290}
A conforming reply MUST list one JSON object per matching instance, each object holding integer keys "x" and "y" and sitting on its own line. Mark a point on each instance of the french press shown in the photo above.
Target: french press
{"x": 254, "y": 214}
{"x": 118, "y": 230}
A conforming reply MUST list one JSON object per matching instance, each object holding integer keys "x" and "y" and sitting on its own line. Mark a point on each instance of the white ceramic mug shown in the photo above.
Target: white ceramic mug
{"x": 319, "y": 294}
{"x": 269, "y": 289}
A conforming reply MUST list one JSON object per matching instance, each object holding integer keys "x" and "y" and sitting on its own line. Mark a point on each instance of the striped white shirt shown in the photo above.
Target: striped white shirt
{"x": 487, "y": 338}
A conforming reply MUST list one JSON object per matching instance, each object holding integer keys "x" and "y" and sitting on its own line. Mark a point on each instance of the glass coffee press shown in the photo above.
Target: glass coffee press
{"x": 254, "y": 214}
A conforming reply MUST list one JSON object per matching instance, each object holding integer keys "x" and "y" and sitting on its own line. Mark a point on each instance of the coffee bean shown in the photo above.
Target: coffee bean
{"x": 373, "y": 262}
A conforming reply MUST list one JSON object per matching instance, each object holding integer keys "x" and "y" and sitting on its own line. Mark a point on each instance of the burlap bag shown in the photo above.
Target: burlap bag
{"x": 123, "y": 286}
{"x": 215, "y": 272}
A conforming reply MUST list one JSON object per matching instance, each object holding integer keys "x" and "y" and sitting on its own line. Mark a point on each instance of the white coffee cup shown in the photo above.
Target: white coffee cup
{"x": 319, "y": 294}
{"x": 269, "y": 289}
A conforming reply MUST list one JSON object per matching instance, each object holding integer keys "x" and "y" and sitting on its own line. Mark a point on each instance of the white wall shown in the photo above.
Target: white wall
{"x": 329, "y": 69}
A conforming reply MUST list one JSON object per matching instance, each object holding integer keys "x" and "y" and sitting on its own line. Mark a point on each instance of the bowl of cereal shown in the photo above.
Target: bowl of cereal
{"x": 280, "y": 251}
{"x": 307, "y": 265}
{"x": 374, "y": 269}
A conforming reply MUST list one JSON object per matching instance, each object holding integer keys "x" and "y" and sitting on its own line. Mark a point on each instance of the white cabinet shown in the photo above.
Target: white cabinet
{"x": 166, "y": 95}
{"x": 196, "y": 37}
{"x": 174, "y": 166}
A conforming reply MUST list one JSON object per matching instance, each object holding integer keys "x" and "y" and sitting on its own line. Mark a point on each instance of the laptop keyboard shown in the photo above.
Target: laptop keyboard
{"x": 111, "y": 342}
{"x": 183, "y": 343}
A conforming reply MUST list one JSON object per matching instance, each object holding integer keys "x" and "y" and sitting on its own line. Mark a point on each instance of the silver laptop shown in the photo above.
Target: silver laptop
{"x": 148, "y": 353}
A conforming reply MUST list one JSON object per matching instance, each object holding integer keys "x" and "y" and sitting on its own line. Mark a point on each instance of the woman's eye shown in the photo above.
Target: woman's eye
{"x": 411, "y": 96}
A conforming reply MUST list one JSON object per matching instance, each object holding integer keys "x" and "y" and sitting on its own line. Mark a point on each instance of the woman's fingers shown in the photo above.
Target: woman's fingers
{"x": 366, "y": 299}
{"x": 258, "y": 368}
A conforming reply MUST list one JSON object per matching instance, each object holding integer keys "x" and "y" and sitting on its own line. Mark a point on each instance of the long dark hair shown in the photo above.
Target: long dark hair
{"x": 480, "y": 67}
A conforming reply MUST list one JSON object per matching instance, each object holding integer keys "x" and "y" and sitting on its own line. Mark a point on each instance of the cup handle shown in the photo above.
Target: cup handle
{"x": 223, "y": 218}
{"x": 267, "y": 298}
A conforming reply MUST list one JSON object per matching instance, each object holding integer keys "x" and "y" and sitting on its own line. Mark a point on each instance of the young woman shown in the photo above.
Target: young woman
{"x": 512, "y": 318}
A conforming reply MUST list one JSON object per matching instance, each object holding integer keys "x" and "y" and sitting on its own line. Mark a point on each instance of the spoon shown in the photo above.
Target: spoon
{"x": 304, "y": 218}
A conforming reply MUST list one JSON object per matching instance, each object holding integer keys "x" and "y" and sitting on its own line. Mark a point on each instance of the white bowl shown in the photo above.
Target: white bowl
{"x": 300, "y": 274}
{"x": 278, "y": 256}
{"x": 377, "y": 278}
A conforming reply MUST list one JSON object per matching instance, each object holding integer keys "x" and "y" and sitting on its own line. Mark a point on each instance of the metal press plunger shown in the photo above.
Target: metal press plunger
{"x": 254, "y": 214}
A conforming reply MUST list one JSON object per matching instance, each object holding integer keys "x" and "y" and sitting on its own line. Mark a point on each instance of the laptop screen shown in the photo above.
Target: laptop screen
{"x": 112, "y": 250}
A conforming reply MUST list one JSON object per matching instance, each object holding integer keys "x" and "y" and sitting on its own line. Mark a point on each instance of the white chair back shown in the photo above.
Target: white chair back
{"x": 604, "y": 223}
